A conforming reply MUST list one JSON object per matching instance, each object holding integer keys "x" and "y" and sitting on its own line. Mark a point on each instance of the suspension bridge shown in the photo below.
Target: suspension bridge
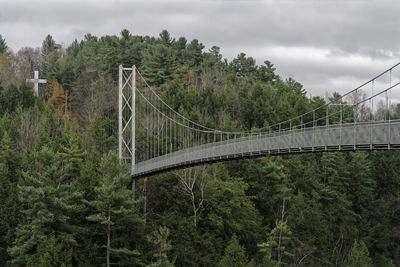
{"x": 153, "y": 137}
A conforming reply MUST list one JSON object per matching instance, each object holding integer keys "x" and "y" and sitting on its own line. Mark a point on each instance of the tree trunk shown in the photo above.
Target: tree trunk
{"x": 145, "y": 198}
{"x": 280, "y": 231}
{"x": 194, "y": 210}
{"x": 108, "y": 239}
{"x": 133, "y": 192}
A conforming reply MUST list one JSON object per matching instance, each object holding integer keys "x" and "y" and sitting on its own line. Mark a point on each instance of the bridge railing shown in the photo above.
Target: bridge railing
{"x": 162, "y": 130}
{"x": 349, "y": 136}
{"x": 368, "y": 102}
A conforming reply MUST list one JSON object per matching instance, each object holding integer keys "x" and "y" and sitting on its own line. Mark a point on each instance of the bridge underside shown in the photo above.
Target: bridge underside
{"x": 384, "y": 135}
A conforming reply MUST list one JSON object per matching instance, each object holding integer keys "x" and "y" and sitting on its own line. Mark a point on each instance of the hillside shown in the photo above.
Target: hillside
{"x": 65, "y": 199}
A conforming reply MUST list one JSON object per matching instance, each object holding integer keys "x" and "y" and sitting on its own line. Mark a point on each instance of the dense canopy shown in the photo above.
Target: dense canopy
{"x": 66, "y": 201}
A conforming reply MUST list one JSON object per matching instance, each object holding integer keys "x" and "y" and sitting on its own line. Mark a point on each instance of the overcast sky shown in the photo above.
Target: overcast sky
{"x": 327, "y": 45}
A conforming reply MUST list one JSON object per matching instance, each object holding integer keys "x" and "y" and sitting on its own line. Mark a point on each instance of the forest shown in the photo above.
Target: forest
{"x": 65, "y": 199}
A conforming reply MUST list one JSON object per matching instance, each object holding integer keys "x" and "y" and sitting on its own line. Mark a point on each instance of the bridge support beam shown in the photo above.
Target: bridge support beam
{"x": 126, "y": 118}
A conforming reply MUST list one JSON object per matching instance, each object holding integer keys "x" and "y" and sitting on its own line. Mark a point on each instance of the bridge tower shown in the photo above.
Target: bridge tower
{"x": 126, "y": 116}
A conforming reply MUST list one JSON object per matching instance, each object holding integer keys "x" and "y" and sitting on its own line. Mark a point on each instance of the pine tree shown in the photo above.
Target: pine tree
{"x": 48, "y": 45}
{"x": 99, "y": 138}
{"x": 265, "y": 177}
{"x": 50, "y": 253}
{"x": 194, "y": 54}
{"x": 243, "y": 66}
{"x": 235, "y": 255}
{"x": 47, "y": 205}
{"x": 50, "y": 56}
{"x": 266, "y": 73}
{"x": 231, "y": 211}
{"x": 166, "y": 39}
{"x": 159, "y": 240}
{"x": 3, "y": 45}
{"x": 333, "y": 191}
{"x": 276, "y": 250}
{"x": 9, "y": 205}
{"x": 361, "y": 189}
{"x": 112, "y": 206}
{"x": 359, "y": 256}
{"x": 71, "y": 152}
{"x": 159, "y": 64}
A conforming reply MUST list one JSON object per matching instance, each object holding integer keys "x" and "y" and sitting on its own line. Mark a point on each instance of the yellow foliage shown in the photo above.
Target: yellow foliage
{"x": 188, "y": 78}
{"x": 58, "y": 98}
{"x": 4, "y": 61}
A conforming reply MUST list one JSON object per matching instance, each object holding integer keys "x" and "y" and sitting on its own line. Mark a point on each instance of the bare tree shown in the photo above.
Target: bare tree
{"x": 193, "y": 184}
{"x": 30, "y": 60}
{"x": 93, "y": 95}
{"x": 381, "y": 111}
{"x": 10, "y": 70}
{"x": 29, "y": 130}
{"x": 362, "y": 110}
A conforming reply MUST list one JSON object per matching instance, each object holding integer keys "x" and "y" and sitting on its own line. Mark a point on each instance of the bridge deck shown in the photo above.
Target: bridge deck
{"x": 359, "y": 136}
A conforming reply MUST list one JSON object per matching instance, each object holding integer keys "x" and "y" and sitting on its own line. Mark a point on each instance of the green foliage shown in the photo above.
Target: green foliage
{"x": 50, "y": 253}
{"x": 359, "y": 256}
{"x": 113, "y": 204}
{"x": 48, "y": 45}
{"x": 264, "y": 177}
{"x": 71, "y": 152}
{"x": 99, "y": 139}
{"x": 16, "y": 96}
{"x": 3, "y": 45}
{"x": 234, "y": 256}
{"x": 159, "y": 240}
{"x": 275, "y": 250}
{"x": 159, "y": 64}
{"x": 47, "y": 205}
{"x": 64, "y": 199}
{"x": 243, "y": 66}
{"x": 9, "y": 204}
{"x": 165, "y": 38}
{"x": 194, "y": 54}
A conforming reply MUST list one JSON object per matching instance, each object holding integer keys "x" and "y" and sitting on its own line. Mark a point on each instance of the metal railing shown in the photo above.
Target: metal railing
{"x": 351, "y": 136}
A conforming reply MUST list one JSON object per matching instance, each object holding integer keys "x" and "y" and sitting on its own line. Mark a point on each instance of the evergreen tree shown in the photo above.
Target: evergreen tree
{"x": 125, "y": 34}
{"x": 9, "y": 99}
{"x": 243, "y": 66}
{"x": 72, "y": 153}
{"x": 159, "y": 64}
{"x": 3, "y": 45}
{"x": 264, "y": 177}
{"x": 361, "y": 189}
{"x": 303, "y": 210}
{"x": 50, "y": 66}
{"x": 99, "y": 139}
{"x": 48, "y": 46}
{"x": 230, "y": 211}
{"x": 165, "y": 38}
{"x": 266, "y": 73}
{"x": 9, "y": 205}
{"x": 113, "y": 206}
{"x": 159, "y": 240}
{"x": 47, "y": 205}
{"x": 194, "y": 54}
{"x": 235, "y": 255}
{"x": 359, "y": 256}
{"x": 333, "y": 191}
{"x": 382, "y": 232}
{"x": 51, "y": 252}
{"x": 275, "y": 251}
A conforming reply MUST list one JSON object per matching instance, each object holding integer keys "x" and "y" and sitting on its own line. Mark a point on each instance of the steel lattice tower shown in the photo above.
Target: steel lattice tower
{"x": 126, "y": 114}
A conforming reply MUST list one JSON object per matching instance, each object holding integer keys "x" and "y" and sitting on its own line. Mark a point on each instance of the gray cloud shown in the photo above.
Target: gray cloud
{"x": 325, "y": 44}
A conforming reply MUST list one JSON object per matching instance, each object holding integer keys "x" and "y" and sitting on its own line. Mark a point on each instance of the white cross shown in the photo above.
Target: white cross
{"x": 36, "y": 82}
